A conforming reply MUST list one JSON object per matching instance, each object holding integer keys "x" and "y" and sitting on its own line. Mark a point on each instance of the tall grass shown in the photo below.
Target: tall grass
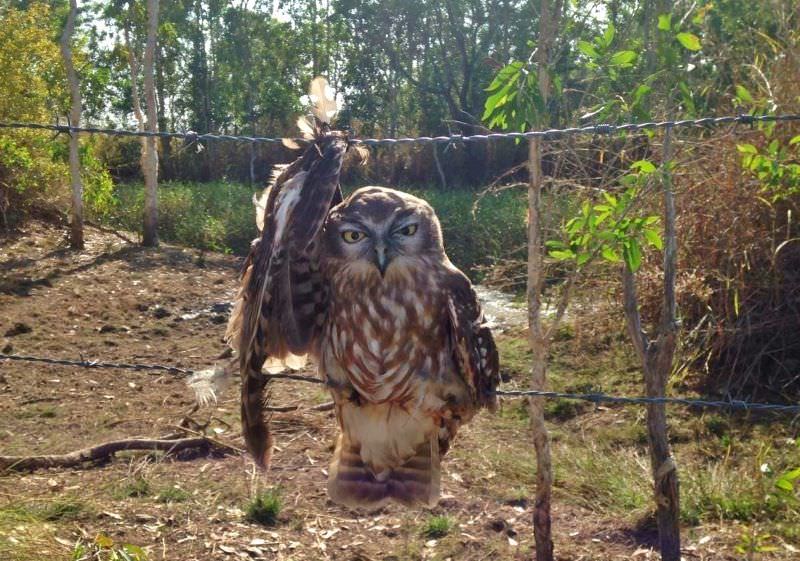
{"x": 219, "y": 216}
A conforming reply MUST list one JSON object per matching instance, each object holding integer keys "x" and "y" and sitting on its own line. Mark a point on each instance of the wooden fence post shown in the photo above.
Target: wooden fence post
{"x": 657, "y": 357}
{"x": 76, "y": 215}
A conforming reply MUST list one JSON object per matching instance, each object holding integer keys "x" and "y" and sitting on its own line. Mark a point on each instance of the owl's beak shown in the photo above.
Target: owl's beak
{"x": 381, "y": 260}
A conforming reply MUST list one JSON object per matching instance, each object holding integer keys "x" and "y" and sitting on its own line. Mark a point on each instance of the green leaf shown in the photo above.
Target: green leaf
{"x": 746, "y": 149}
{"x": 640, "y": 92}
{"x": 794, "y": 140}
{"x": 608, "y": 34}
{"x": 792, "y": 475}
{"x": 784, "y": 485}
{"x": 555, "y": 244}
{"x": 504, "y": 75}
{"x": 622, "y": 57}
{"x": 644, "y": 166}
{"x": 583, "y": 258}
{"x": 743, "y": 94}
{"x": 103, "y": 541}
{"x": 562, "y": 255}
{"x": 609, "y": 254}
{"x": 588, "y": 49}
{"x": 665, "y": 22}
{"x": 689, "y": 41}
{"x": 135, "y": 552}
{"x": 653, "y": 237}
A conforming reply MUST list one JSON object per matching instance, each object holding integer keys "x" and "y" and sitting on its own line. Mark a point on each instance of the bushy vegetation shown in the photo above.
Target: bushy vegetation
{"x": 220, "y": 216}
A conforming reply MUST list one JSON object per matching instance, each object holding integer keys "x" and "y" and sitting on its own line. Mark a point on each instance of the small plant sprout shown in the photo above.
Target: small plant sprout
{"x": 264, "y": 508}
{"x": 437, "y": 527}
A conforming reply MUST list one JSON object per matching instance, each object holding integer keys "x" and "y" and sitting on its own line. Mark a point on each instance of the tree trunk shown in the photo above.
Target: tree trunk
{"x": 539, "y": 347}
{"x": 76, "y": 219}
{"x": 150, "y": 159}
{"x": 539, "y": 341}
{"x": 657, "y": 357}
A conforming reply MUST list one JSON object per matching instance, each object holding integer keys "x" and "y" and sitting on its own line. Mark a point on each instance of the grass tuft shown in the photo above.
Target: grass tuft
{"x": 437, "y": 527}
{"x": 138, "y": 487}
{"x": 172, "y": 495}
{"x": 61, "y": 510}
{"x": 264, "y": 508}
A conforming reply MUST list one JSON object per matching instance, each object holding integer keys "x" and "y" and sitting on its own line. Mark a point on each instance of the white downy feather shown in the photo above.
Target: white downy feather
{"x": 209, "y": 384}
{"x": 323, "y": 99}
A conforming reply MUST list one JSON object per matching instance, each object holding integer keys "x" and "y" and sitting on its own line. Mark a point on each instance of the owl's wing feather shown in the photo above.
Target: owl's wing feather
{"x": 282, "y": 299}
{"x": 473, "y": 345}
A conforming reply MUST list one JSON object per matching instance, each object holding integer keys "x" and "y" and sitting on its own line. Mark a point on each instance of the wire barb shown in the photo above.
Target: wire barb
{"x": 600, "y": 129}
{"x": 595, "y": 398}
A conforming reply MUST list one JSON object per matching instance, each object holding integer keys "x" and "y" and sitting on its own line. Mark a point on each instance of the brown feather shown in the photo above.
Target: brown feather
{"x": 279, "y": 300}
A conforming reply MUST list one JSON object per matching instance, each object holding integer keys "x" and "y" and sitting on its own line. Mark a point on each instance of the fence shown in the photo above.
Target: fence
{"x": 597, "y": 398}
{"x": 601, "y": 129}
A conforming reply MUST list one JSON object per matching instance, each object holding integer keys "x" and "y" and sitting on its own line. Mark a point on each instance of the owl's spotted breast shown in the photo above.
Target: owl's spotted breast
{"x": 390, "y": 334}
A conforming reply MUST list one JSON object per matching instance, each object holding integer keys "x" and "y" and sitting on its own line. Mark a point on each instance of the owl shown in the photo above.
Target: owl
{"x": 364, "y": 287}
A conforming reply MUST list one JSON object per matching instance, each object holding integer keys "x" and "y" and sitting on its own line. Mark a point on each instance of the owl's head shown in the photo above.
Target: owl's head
{"x": 377, "y": 226}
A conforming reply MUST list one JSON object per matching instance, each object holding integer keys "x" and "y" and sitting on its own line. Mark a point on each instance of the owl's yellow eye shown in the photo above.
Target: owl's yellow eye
{"x": 352, "y": 236}
{"x": 409, "y": 230}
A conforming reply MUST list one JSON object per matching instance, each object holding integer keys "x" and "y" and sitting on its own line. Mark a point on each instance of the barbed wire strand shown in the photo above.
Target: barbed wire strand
{"x": 600, "y": 129}
{"x": 590, "y": 397}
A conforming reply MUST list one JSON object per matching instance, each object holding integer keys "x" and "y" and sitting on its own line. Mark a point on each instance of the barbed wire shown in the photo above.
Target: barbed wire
{"x": 600, "y": 129}
{"x": 590, "y": 397}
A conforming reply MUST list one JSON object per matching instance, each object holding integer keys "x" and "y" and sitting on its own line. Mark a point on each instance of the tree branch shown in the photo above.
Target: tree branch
{"x": 103, "y": 451}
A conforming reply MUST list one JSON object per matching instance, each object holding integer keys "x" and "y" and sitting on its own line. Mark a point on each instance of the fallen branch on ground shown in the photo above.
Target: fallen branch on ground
{"x": 104, "y": 451}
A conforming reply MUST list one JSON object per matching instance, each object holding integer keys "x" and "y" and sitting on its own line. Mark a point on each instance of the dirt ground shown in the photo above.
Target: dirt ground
{"x": 119, "y": 302}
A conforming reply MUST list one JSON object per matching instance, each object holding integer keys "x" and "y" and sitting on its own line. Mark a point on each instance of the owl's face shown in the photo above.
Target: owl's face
{"x": 379, "y": 227}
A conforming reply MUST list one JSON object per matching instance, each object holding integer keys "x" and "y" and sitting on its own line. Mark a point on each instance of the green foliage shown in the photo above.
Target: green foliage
{"x": 264, "y": 508}
{"x": 775, "y": 166}
{"x": 437, "y": 527}
{"x": 514, "y": 101}
{"x": 611, "y": 229}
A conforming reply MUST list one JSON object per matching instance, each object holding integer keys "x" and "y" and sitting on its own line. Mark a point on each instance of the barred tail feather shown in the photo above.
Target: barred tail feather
{"x": 352, "y": 483}
{"x": 255, "y": 425}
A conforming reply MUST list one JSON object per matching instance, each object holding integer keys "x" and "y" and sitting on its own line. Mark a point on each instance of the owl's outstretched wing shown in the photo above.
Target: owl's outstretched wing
{"x": 281, "y": 302}
{"x": 474, "y": 349}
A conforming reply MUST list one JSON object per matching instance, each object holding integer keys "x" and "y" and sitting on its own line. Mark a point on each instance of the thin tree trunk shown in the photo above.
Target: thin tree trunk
{"x": 163, "y": 123}
{"x": 150, "y": 159}
{"x": 548, "y": 22}
{"x": 76, "y": 218}
{"x": 657, "y": 357}
{"x": 539, "y": 347}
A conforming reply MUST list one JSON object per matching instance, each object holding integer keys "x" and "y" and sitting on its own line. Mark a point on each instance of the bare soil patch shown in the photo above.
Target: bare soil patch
{"x": 119, "y": 302}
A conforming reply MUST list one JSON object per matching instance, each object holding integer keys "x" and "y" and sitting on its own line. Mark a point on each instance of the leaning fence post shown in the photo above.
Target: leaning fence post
{"x": 657, "y": 357}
